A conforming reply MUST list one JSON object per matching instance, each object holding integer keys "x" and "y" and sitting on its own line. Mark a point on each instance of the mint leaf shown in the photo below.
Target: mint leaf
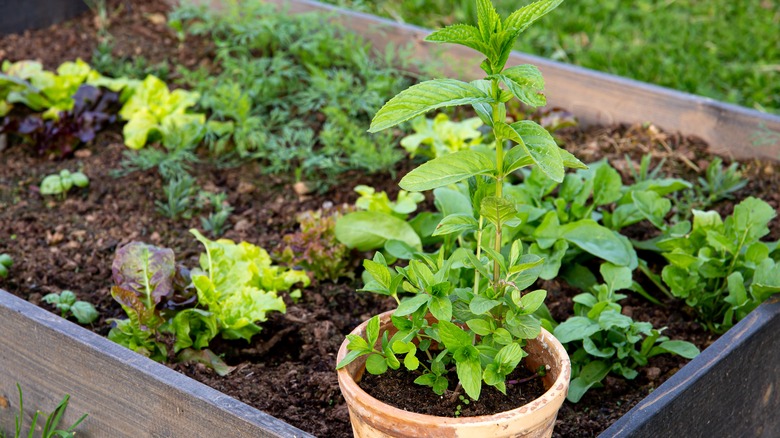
{"x": 526, "y": 83}
{"x": 462, "y": 34}
{"x": 447, "y": 169}
{"x": 525, "y": 16}
{"x": 453, "y": 337}
{"x": 424, "y": 97}
{"x": 541, "y": 146}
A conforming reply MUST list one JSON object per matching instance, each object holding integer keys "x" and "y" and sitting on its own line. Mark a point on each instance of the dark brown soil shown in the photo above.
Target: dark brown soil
{"x": 398, "y": 389}
{"x": 288, "y": 369}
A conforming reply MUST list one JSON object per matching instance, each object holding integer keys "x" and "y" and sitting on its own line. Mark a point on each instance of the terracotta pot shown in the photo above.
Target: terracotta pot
{"x": 373, "y": 418}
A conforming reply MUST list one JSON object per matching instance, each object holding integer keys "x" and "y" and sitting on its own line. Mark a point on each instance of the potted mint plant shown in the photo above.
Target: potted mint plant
{"x": 469, "y": 310}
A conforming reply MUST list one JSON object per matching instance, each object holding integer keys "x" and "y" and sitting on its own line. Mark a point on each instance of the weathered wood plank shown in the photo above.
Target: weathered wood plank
{"x": 595, "y": 98}
{"x": 125, "y": 394}
{"x": 20, "y": 15}
{"x": 732, "y": 389}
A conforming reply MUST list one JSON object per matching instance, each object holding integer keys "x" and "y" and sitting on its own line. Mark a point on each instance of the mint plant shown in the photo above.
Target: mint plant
{"x": 66, "y": 302}
{"x": 480, "y": 314}
{"x": 5, "y": 264}
{"x": 721, "y": 268}
{"x": 603, "y": 340}
{"x": 61, "y": 183}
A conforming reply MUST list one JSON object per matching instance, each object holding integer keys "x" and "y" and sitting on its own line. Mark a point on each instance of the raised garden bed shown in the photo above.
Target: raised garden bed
{"x": 36, "y": 14}
{"x": 52, "y": 255}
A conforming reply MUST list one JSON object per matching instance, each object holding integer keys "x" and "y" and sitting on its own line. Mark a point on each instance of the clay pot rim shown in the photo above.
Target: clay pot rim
{"x": 553, "y": 397}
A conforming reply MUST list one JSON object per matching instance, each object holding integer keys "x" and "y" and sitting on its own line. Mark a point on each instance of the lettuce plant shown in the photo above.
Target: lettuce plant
{"x": 235, "y": 288}
{"x": 721, "y": 268}
{"x": 481, "y": 313}
{"x": 315, "y": 247}
{"x": 442, "y": 136}
{"x": 238, "y": 285}
{"x": 154, "y": 110}
{"x": 144, "y": 276}
{"x": 26, "y": 82}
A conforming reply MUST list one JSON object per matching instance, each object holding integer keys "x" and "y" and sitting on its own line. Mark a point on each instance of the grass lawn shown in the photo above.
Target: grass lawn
{"x": 723, "y": 49}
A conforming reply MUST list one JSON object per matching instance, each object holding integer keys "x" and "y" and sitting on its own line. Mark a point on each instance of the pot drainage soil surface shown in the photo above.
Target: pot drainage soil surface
{"x": 288, "y": 370}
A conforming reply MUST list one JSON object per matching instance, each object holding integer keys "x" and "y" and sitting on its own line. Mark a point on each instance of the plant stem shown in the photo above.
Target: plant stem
{"x": 520, "y": 381}
{"x": 499, "y": 179}
{"x": 455, "y": 393}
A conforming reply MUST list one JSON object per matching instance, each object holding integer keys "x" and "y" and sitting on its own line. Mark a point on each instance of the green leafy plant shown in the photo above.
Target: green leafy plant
{"x": 6, "y": 262}
{"x": 717, "y": 184}
{"x": 602, "y": 340}
{"x": 179, "y": 194}
{"x": 238, "y": 285}
{"x": 380, "y": 223}
{"x": 144, "y": 276}
{"x": 50, "y": 426}
{"x": 66, "y": 302}
{"x": 61, "y": 183}
{"x": 153, "y": 110}
{"x": 297, "y": 107}
{"x": 720, "y": 267}
{"x": 315, "y": 247}
{"x": 442, "y": 136}
{"x": 582, "y": 216}
{"x": 235, "y": 287}
{"x": 480, "y": 315}
{"x": 216, "y": 221}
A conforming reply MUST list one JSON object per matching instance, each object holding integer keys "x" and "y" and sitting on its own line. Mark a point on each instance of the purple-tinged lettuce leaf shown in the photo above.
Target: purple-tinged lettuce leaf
{"x": 146, "y": 270}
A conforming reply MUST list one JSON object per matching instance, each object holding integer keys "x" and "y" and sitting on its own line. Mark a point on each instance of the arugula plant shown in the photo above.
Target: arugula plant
{"x": 6, "y": 262}
{"x": 717, "y": 184}
{"x": 66, "y": 302}
{"x": 61, "y": 183}
{"x": 603, "y": 340}
{"x": 583, "y": 215}
{"x": 315, "y": 247}
{"x": 441, "y": 136}
{"x": 721, "y": 268}
{"x": 480, "y": 315}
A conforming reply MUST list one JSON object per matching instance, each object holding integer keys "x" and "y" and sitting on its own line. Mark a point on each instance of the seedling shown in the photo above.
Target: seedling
{"x": 5, "y": 265}
{"x": 60, "y": 184}
{"x": 481, "y": 314}
{"x": 66, "y": 302}
{"x": 50, "y": 427}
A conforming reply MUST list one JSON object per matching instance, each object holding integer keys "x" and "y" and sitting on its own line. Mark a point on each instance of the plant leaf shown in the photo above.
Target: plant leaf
{"x": 498, "y": 211}
{"x": 463, "y": 34}
{"x": 447, "y": 169}
{"x": 423, "y": 97}
{"x": 541, "y": 146}
{"x": 456, "y": 224}
{"x": 525, "y": 16}
{"x": 369, "y": 230}
{"x": 453, "y": 337}
{"x": 526, "y": 83}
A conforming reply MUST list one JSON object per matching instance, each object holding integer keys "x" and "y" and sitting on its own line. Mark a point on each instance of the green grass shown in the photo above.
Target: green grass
{"x": 726, "y": 50}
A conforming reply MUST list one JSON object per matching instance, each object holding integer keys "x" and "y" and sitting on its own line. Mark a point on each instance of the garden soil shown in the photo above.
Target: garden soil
{"x": 288, "y": 369}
